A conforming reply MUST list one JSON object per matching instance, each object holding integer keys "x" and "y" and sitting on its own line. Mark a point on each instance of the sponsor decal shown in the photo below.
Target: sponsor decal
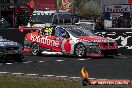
{"x": 67, "y": 46}
{"x": 7, "y": 43}
{"x": 44, "y": 40}
{"x": 110, "y": 82}
{"x": 85, "y": 80}
{"x": 59, "y": 38}
{"x": 117, "y": 8}
{"x": 96, "y": 40}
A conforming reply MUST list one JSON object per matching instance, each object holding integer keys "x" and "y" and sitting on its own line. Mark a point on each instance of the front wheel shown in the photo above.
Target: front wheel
{"x": 20, "y": 58}
{"x": 80, "y": 50}
{"x": 35, "y": 49}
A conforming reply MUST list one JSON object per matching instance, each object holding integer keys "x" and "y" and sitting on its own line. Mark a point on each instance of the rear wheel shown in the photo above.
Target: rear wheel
{"x": 80, "y": 50}
{"x": 35, "y": 49}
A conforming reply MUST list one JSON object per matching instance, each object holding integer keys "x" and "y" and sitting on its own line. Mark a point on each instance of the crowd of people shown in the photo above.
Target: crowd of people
{"x": 119, "y": 22}
{"x": 122, "y": 22}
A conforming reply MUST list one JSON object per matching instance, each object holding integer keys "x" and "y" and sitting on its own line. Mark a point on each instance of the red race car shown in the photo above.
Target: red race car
{"x": 69, "y": 40}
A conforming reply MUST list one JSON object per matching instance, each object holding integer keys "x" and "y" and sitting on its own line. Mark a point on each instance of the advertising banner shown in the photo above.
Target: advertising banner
{"x": 65, "y": 5}
{"x": 130, "y": 2}
{"x": 117, "y": 8}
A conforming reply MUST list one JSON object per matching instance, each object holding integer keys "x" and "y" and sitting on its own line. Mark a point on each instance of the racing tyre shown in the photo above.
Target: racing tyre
{"x": 35, "y": 49}
{"x": 80, "y": 50}
{"x": 20, "y": 58}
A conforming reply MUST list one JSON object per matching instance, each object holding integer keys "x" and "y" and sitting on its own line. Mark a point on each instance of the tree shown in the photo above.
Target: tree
{"x": 88, "y": 7}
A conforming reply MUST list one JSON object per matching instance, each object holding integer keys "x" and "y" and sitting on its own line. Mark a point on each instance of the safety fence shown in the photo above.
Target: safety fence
{"x": 122, "y": 36}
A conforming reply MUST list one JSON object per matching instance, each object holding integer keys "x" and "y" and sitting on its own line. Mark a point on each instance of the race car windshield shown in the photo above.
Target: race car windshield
{"x": 80, "y": 32}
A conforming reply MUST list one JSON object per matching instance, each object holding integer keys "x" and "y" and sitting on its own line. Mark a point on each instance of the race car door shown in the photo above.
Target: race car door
{"x": 61, "y": 36}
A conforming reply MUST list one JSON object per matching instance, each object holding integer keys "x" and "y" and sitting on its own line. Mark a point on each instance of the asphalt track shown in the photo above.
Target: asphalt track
{"x": 119, "y": 67}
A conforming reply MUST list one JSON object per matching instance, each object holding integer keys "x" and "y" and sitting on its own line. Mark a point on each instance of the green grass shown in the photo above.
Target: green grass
{"x": 7, "y": 81}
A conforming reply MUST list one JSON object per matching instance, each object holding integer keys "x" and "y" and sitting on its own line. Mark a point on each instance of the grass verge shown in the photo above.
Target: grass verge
{"x": 8, "y": 81}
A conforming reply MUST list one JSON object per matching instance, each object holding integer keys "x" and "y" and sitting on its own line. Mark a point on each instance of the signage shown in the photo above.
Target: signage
{"x": 117, "y": 8}
{"x": 65, "y": 5}
{"x": 64, "y": 2}
{"x": 50, "y": 12}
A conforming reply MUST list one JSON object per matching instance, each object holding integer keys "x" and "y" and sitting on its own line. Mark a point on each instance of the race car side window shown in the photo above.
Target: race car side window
{"x": 65, "y": 34}
{"x": 60, "y": 32}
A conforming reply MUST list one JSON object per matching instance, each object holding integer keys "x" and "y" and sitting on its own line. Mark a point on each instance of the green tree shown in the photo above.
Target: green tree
{"x": 83, "y": 9}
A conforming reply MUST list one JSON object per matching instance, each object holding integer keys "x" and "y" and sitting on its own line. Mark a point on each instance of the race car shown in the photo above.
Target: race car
{"x": 10, "y": 50}
{"x": 68, "y": 40}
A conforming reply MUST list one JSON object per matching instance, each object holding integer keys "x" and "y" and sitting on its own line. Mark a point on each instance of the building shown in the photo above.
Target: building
{"x": 16, "y": 12}
{"x": 44, "y": 4}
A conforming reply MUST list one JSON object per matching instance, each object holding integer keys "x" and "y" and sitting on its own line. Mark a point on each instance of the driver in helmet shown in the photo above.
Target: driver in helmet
{"x": 48, "y": 31}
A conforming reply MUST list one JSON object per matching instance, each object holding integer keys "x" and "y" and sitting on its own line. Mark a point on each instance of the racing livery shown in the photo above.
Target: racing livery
{"x": 10, "y": 50}
{"x": 68, "y": 40}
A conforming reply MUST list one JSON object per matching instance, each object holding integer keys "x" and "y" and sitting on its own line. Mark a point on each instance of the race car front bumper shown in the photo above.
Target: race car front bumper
{"x": 12, "y": 55}
{"x": 97, "y": 52}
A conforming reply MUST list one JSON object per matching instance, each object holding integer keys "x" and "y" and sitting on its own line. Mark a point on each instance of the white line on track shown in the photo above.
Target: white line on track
{"x": 9, "y": 63}
{"x": 48, "y": 75}
{"x": 17, "y": 73}
{"x": 75, "y": 77}
{"x": 59, "y": 60}
{"x": 31, "y": 74}
{"x": 40, "y": 61}
{"x": 81, "y": 59}
{"x": 61, "y": 76}
{"x": 91, "y": 78}
{"x": 27, "y": 62}
{"x": 3, "y": 72}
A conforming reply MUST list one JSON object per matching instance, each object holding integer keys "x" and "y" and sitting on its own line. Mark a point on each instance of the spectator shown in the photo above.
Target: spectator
{"x": 99, "y": 25}
{"x": 5, "y": 23}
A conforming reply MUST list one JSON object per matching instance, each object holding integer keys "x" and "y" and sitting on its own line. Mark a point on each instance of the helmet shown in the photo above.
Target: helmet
{"x": 48, "y": 31}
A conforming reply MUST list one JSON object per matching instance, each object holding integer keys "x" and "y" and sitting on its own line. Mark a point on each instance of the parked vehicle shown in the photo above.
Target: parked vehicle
{"x": 10, "y": 50}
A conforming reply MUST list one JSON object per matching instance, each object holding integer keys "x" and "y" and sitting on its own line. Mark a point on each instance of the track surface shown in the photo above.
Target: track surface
{"x": 119, "y": 67}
